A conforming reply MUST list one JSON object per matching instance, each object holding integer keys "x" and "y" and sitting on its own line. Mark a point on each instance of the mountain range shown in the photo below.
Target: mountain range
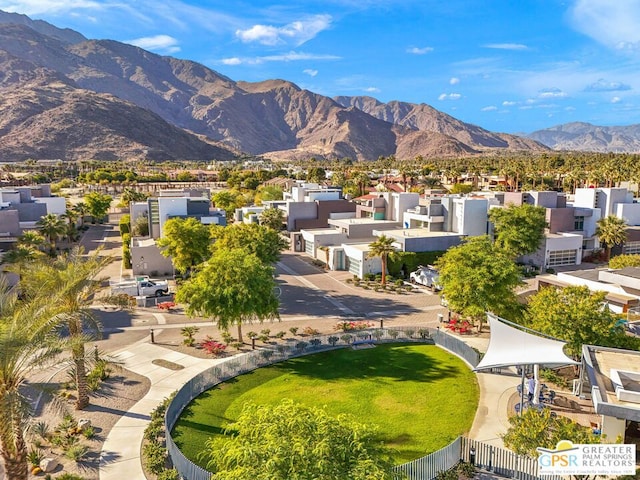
{"x": 68, "y": 97}
{"x": 591, "y": 138}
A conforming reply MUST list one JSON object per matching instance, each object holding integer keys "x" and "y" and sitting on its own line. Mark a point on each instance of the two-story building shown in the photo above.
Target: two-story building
{"x": 146, "y": 258}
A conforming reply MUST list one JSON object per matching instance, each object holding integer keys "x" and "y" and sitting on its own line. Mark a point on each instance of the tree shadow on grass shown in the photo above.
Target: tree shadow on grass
{"x": 395, "y": 362}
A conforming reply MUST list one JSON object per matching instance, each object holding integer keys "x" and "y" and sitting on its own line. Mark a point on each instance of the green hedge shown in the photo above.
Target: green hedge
{"x": 126, "y": 250}
{"x": 125, "y": 224}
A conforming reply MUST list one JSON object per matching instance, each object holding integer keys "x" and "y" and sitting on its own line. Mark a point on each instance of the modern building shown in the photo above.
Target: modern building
{"x": 464, "y": 215}
{"x": 22, "y": 207}
{"x": 622, "y": 286}
{"x": 610, "y": 377}
{"x": 146, "y": 258}
{"x": 618, "y": 202}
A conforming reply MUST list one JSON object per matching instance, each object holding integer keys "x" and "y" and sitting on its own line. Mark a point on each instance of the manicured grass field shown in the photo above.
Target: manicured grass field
{"x": 420, "y": 396}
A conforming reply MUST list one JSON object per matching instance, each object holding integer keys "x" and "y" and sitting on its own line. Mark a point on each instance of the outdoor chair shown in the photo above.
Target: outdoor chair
{"x": 595, "y": 428}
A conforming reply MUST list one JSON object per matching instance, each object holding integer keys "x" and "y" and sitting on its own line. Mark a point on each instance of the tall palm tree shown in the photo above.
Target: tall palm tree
{"x": 24, "y": 346}
{"x": 382, "y": 247}
{"x": 73, "y": 279}
{"x": 611, "y": 231}
{"x": 52, "y": 227}
{"x": 81, "y": 210}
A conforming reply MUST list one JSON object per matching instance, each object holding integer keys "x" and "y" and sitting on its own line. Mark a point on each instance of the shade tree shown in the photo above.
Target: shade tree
{"x": 478, "y": 277}
{"x": 519, "y": 229}
{"x": 233, "y": 287}
{"x": 288, "y": 441}
{"x": 186, "y": 241}
{"x": 577, "y": 316}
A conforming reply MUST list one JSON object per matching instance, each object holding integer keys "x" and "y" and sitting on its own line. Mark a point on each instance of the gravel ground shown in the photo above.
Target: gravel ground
{"x": 116, "y": 396}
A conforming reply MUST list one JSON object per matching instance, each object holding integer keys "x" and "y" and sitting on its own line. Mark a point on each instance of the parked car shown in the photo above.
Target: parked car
{"x": 142, "y": 287}
{"x": 427, "y": 276}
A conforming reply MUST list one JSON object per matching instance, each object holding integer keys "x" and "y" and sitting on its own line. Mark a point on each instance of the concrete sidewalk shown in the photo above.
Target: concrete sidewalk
{"x": 120, "y": 455}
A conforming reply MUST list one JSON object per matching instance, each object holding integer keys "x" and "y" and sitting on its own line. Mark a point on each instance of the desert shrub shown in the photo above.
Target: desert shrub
{"x": 281, "y": 334}
{"x": 189, "y": 334}
{"x": 40, "y": 429}
{"x": 333, "y": 340}
{"x": 154, "y": 456}
{"x": 76, "y": 452}
{"x": 315, "y": 342}
{"x": 212, "y": 347}
{"x": 310, "y": 331}
{"x": 293, "y": 330}
{"x": 34, "y": 456}
{"x": 169, "y": 474}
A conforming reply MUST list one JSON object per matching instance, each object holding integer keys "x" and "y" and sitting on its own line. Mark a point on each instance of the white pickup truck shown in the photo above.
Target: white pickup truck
{"x": 140, "y": 287}
{"x": 427, "y": 276}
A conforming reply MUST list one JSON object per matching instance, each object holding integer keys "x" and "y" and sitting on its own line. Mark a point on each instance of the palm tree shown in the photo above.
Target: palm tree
{"x": 81, "y": 210}
{"x": 73, "y": 279}
{"x": 611, "y": 231}
{"x": 51, "y": 226}
{"x": 382, "y": 247}
{"x": 24, "y": 346}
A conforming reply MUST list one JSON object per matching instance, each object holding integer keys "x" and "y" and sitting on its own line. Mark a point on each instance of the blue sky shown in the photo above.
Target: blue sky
{"x": 506, "y": 65}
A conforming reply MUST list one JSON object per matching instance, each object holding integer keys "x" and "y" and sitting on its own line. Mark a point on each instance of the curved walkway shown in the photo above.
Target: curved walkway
{"x": 120, "y": 456}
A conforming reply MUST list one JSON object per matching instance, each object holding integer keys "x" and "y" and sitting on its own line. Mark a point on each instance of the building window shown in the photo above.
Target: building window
{"x": 559, "y": 258}
{"x": 578, "y": 223}
{"x": 632, "y": 248}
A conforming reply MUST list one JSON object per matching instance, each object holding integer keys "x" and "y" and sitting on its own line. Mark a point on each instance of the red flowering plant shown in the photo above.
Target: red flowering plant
{"x": 213, "y": 347}
{"x": 351, "y": 326}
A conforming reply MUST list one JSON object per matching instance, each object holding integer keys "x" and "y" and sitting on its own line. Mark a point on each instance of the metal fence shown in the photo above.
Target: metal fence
{"x": 498, "y": 461}
{"x": 428, "y": 467}
{"x": 294, "y": 348}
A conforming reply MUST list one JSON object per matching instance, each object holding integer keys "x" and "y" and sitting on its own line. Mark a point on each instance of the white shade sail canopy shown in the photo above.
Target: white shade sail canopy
{"x": 509, "y": 346}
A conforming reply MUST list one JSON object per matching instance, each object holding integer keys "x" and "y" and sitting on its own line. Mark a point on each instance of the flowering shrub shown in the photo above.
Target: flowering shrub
{"x": 212, "y": 347}
{"x": 351, "y": 326}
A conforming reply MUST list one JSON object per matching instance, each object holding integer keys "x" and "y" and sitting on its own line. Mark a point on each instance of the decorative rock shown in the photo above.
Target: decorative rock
{"x": 84, "y": 423}
{"x": 48, "y": 464}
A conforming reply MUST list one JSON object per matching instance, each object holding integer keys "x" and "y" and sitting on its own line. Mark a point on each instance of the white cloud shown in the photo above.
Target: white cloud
{"x": 525, "y": 107}
{"x": 310, "y": 72}
{"x": 611, "y": 23}
{"x": 449, "y": 96}
{"x": 35, "y": 7}
{"x": 490, "y": 108}
{"x": 570, "y": 109}
{"x": 419, "y": 50}
{"x": 291, "y": 56}
{"x": 454, "y": 81}
{"x": 616, "y": 100}
{"x": 295, "y": 33}
{"x": 551, "y": 93}
{"x": 508, "y": 103}
{"x": 157, "y": 43}
{"x": 506, "y": 46}
{"x": 603, "y": 86}
{"x": 371, "y": 90}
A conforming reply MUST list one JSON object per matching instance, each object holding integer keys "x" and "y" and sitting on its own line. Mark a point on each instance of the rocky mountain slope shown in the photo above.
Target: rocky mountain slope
{"x": 580, "y": 136}
{"x": 113, "y": 100}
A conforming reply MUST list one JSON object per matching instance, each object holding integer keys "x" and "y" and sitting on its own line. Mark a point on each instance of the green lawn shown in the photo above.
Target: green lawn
{"x": 420, "y": 396}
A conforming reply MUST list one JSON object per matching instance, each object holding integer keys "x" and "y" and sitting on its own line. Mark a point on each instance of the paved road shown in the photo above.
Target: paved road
{"x": 308, "y": 293}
